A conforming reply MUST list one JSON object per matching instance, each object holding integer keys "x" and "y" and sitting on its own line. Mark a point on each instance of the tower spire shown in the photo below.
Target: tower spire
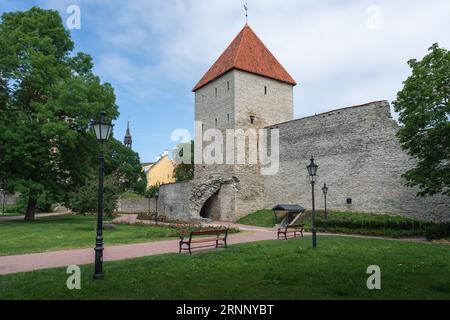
{"x": 127, "y": 141}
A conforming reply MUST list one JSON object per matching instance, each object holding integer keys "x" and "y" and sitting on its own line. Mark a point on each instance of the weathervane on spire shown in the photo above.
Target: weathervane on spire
{"x": 246, "y": 13}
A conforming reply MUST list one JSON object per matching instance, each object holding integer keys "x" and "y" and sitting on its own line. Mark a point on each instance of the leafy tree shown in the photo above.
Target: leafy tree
{"x": 126, "y": 165}
{"x": 48, "y": 96}
{"x": 183, "y": 156}
{"x": 151, "y": 192}
{"x": 424, "y": 107}
{"x": 85, "y": 199}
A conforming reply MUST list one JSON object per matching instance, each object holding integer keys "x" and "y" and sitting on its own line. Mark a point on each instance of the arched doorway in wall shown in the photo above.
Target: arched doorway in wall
{"x": 211, "y": 208}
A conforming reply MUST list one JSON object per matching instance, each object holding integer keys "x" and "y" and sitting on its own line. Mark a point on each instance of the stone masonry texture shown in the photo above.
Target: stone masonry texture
{"x": 356, "y": 148}
{"x": 359, "y": 157}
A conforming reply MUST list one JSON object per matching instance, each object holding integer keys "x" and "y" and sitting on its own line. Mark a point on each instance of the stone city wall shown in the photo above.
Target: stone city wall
{"x": 359, "y": 158}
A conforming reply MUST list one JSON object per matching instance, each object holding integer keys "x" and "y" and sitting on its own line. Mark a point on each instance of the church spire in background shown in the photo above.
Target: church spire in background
{"x": 127, "y": 141}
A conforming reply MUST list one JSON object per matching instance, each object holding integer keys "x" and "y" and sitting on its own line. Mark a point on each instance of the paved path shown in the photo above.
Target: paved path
{"x": 64, "y": 258}
{"x": 38, "y": 216}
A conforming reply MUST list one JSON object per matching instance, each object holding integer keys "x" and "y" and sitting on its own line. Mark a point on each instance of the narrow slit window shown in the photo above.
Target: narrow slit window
{"x": 265, "y": 89}
{"x": 228, "y": 85}
{"x": 216, "y": 122}
{"x": 252, "y": 119}
{"x": 228, "y": 117}
{"x": 216, "y": 92}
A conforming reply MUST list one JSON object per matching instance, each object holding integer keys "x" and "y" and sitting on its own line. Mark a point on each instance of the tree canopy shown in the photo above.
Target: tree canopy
{"x": 48, "y": 96}
{"x": 424, "y": 108}
{"x": 183, "y": 156}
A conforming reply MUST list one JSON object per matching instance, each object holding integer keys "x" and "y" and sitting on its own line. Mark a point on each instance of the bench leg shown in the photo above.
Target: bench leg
{"x": 180, "y": 246}
{"x": 217, "y": 244}
{"x": 225, "y": 242}
{"x": 190, "y": 252}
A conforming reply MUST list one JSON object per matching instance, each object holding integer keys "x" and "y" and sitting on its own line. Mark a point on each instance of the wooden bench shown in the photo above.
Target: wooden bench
{"x": 220, "y": 239}
{"x": 291, "y": 229}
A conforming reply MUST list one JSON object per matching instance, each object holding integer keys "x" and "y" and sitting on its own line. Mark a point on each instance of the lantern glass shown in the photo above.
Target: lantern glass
{"x": 312, "y": 169}
{"x": 102, "y": 128}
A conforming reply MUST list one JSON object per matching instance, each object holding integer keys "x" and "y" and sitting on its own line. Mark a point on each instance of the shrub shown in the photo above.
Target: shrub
{"x": 45, "y": 202}
{"x": 151, "y": 192}
{"x": 13, "y": 208}
{"x": 185, "y": 229}
{"x": 437, "y": 231}
{"x": 85, "y": 200}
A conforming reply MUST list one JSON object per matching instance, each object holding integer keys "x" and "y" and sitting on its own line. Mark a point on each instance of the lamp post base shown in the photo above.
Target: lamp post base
{"x": 314, "y": 238}
{"x": 98, "y": 276}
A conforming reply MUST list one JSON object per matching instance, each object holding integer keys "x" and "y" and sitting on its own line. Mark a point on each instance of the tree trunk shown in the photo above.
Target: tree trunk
{"x": 31, "y": 209}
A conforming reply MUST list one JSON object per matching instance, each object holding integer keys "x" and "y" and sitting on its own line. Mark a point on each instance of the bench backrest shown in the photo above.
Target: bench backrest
{"x": 296, "y": 226}
{"x": 206, "y": 232}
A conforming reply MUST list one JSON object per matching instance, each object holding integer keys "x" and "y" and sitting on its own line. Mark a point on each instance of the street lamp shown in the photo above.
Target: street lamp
{"x": 156, "y": 205}
{"x": 102, "y": 130}
{"x": 312, "y": 171}
{"x": 325, "y": 190}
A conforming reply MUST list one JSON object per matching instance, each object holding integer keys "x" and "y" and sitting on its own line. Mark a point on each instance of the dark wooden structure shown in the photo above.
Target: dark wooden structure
{"x": 288, "y": 211}
{"x": 291, "y": 229}
{"x": 220, "y": 239}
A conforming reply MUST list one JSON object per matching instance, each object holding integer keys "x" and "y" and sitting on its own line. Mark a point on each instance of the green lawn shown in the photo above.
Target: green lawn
{"x": 336, "y": 269}
{"x": 348, "y": 222}
{"x": 70, "y": 231}
{"x": 131, "y": 195}
{"x": 260, "y": 218}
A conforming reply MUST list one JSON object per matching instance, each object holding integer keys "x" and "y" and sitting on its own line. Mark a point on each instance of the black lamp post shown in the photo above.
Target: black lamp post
{"x": 102, "y": 130}
{"x": 312, "y": 171}
{"x": 156, "y": 205}
{"x": 325, "y": 190}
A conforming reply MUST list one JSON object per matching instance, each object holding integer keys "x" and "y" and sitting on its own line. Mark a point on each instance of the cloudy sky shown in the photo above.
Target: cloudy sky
{"x": 153, "y": 52}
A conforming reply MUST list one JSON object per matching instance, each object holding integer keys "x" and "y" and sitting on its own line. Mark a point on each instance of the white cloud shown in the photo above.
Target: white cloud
{"x": 159, "y": 49}
{"x": 318, "y": 44}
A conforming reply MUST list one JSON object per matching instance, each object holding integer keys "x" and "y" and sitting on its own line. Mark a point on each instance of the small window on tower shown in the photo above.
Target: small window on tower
{"x": 252, "y": 119}
{"x": 216, "y": 122}
{"x": 228, "y": 117}
{"x": 265, "y": 89}
{"x": 228, "y": 85}
{"x": 216, "y": 92}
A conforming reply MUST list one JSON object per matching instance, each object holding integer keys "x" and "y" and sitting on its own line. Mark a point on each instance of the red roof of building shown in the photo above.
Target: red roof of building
{"x": 247, "y": 53}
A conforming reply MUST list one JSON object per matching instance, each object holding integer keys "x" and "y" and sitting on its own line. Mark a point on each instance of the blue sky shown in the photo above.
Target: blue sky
{"x": 153, "y": 52}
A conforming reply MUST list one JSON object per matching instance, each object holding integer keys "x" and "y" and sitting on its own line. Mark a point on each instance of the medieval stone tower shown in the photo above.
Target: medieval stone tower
{"x": 357, "y": 149}
{"x": 245, "y": 88}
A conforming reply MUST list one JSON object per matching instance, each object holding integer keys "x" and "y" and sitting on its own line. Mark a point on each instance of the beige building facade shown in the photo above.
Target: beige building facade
{"x": 160, "y": 172}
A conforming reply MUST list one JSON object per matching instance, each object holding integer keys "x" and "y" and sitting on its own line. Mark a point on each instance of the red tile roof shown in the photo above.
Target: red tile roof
{"x": 247, "y": 53}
